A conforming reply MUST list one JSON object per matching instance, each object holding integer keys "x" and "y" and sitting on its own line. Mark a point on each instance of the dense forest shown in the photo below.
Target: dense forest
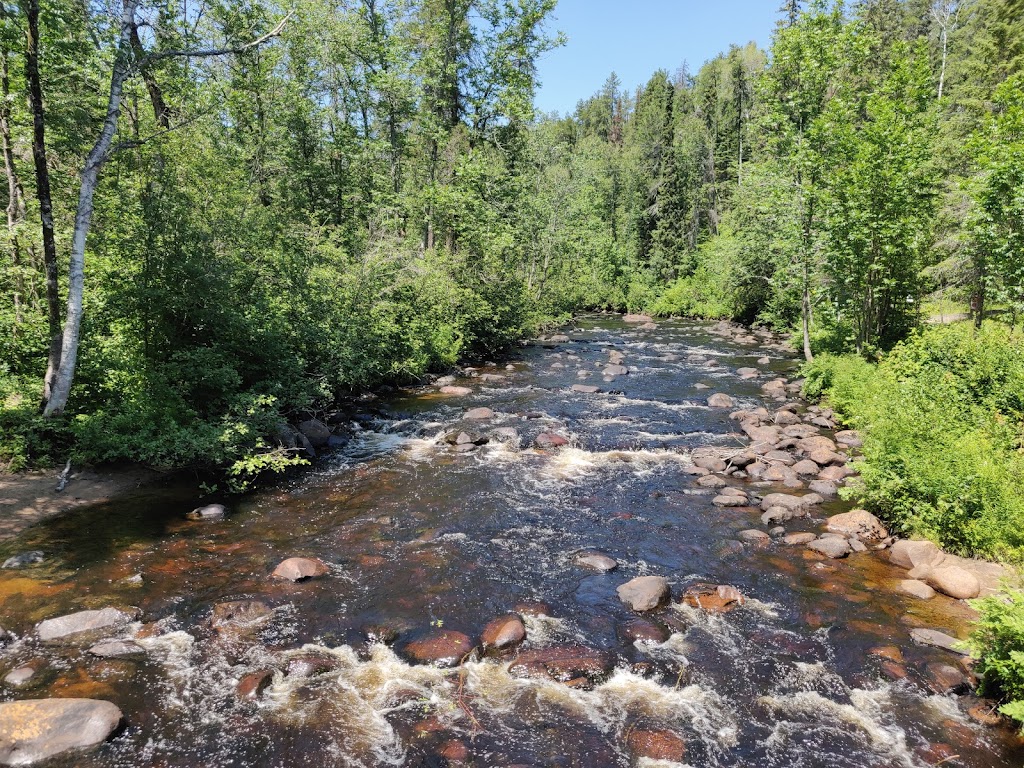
{"x": 221, "y": 215}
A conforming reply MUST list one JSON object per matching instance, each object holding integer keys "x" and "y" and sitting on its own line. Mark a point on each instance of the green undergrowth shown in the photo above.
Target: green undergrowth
{"x": 942, "y": 417}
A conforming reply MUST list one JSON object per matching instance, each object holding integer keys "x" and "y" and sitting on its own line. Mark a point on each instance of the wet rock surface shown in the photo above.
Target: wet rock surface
{"x": 32, "y": 731}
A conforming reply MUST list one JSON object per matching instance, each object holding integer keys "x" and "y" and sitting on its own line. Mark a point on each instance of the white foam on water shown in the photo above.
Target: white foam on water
{"x": 864, "y": 714}
{"x": 544, "y": 630}
{"x": 576, "y": 463}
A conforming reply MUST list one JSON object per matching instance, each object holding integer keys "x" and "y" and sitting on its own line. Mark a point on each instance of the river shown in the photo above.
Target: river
{"x": 421, "y": 539}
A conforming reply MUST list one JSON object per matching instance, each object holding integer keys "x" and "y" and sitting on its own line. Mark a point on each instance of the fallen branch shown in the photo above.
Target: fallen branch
{"x": 63, "y": 477}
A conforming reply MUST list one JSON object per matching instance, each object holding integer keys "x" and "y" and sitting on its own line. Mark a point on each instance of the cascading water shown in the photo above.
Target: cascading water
{"x": 422, "y": 535}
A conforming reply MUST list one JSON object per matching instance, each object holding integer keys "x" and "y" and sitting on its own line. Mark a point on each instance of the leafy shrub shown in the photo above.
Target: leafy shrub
{"x": 943, "y": 421}
{"x": 998, "y": 643}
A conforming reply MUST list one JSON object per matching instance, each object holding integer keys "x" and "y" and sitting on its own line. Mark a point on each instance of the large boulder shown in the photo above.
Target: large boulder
{"x": 859, "y": 523}
{"x": 909, "y": 554}
{"x": 954, "y": 581}
{"x": 834, "y": 547}
{"x": 32, "y": 731}
{"x": 720, "y": 400}
{"x": 798, "y": 505}
{"x": 83, "y": 623}
{"x": 644, "y": 593}
{"x": 615, "y": 370}
{"x": 318, "y": 433}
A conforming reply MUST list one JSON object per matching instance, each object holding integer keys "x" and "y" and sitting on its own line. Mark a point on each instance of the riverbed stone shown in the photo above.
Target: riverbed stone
{"x": 755, "y": 537}
{"x": 615, "y": 370}
{"x": 859, "y": 523}
{"x": 747, "y": 373}
{"x": 910, "y": 553}
{"x": 300, "y": 569}
{"x": 563, "y": 663}
{"x": 800, "y": 431}
{"x": 239, "y": 617}
{"x": 824, "y": 488}
{"x": 850, "y": 438}
{"x": 826, "y": 458}
{"x": 809, "y": 445}
{"x": 916, "y": 588}
{"x": 318, "y": 433}
{"x": 443, "y": 648}
{"x": 796, "y": 504}
{"x": 644, "y": 631}
{"x": 644, "y": 593}
{"x": 937, "y": 639}
{"x": 549, "y": 440}
{"x": 720, "y": 400}
{"x": 23, "y": 559}
{"x": 504, "y": 633}
{"x": 709, "y": 461}
{"x": 710, "y": 481}
{"x": 636, "y": 318}
{"x": 450, "y": 389}
{"x": 21, "y": 676}
{"x": 714, "y": 598}
{"x": 835, "y": 474}
{"x": 585, "y": 389}
{"x": 596, "y": 561}
{"x": 208, "y": 512}
{"x": 795, "y": 539}
{"x": 806, "y": 468}
{"x": 83, "y": 623}
{"x": 253, "y": 685}
{"x": 32, "y": 731}
{"x": 479, "y": 414}
{"x": 656, "y": 745}
{"x": 730, "y": 500}
{"x": 117, "y": 649}
{"x": 954, "y": 581}
{"x": 945, "y": 678}
{"x": 834, "y": 547}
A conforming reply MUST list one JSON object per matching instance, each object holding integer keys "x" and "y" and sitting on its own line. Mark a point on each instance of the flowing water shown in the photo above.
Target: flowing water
{"x": 419, "y": 537}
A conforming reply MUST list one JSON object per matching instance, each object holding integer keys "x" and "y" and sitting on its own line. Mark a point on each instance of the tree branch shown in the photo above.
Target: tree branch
{"x": 275, "y": 32}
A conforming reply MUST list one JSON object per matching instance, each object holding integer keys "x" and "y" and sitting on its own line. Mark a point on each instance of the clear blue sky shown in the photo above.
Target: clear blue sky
{"x": 634, "y": 38}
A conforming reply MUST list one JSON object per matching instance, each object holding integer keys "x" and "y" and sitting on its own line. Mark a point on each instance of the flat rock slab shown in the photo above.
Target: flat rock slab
{"x": 916, "y": 588}
{"x": 937, "y": 639}
{"x": 117, "y": 649}
{"x": 566, "y": 664}
{"x": 300, "y": 568}
{"x": 32, "y": 731}
{"x": 585, "y": 389}
{"x": 644, "y": 593}
{"x": 453, "y": 390}
{"x": 106, "y": 619}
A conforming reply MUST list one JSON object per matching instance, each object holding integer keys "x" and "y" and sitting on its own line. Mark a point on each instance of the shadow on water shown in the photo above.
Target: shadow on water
{"x": 421, "y": 538}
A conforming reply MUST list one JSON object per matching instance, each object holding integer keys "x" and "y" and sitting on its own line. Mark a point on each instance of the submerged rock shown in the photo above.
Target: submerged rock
{"x": 937, "y": 639}
{"x": 240, "y": 617}
{"x": 644, "y": 631}
{"x": 20, "y": 677}
{"x": 208, "y": 512}
{"x": 479, "y": 414}
{"x": 24, "y": 558}
{"x": 596, "y": 561}
{"x": 32, "y": 731}
{"x": 644, "y": 593}
{"x": 83, "y": 622}
{"x": 117, "y": 649}
{"x": 252, "y": 686}
{"x": 550, "y": 440}
{"x": 572, "y": 664}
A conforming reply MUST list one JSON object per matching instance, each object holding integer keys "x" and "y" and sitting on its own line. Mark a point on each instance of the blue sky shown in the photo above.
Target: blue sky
{"x": 635, "y": 38}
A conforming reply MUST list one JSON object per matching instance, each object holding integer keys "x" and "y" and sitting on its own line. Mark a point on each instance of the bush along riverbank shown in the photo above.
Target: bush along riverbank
{"x": 942, "y": 419}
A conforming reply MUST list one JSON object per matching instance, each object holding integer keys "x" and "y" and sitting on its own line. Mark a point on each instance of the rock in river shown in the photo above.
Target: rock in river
{"x": 954, "y": 581}
{"x": 550, "y": 440}
{"x": 300, "y": 568}
{"x": 831, "y": 547}
{"x": 596, "y": 561}
{"x": 444, "y": 648}
{"x": 32, "y": 731}
{"x": 644, "y": 593}
{"x": 720, "y": 598}
{"x": 504, "y": 633}
{"x": 656, "y": 745}
{"x": 117, "y": 649}
{"x": 720, "y": 400}
{"x": 859, "y": 523}
{"x": 566, "y": 664}
{"x": 23, "y": 559}
{"x": 479, "y": 414}
{"x": 209, "y": 512}
{"x": 82, "y": 622}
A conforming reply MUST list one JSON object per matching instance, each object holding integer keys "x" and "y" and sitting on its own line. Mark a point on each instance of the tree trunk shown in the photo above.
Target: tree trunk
{"x": 83, "y": 218}
{"x": 35, "y": 92}
{"x": 161, "y": 112}
{"x": 15, "y": 191}
{"x": 805, "y": 319}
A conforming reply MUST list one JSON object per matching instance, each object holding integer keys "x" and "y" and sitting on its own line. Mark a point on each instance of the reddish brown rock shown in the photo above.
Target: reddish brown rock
{"x": 644, "y": 631}
{"x": 656, "y": 745}
{"x": 533, "y": 608}
{"x": 479, "y": 414}
{"x": 444, "y": 648}
{"x": 300, "y": 569}
{"x": 504, "y": 633}
{"x": 713, "y": 598}
{"x": 454, "y": 751}
{"x": 252, "y": 686}
{"x": 563, "y": 663}
{"x": 310, "y": 665}
{"x": 859, "y": 523}
{"x": 550, "y": 440}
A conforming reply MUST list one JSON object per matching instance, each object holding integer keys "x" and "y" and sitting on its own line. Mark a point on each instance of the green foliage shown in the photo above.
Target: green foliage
{"x": 998, "y": 643}
{"x": 943, "y": 417}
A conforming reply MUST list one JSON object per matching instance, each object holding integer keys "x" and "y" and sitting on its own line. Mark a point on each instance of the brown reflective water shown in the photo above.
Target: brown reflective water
{"x": 420, "y": 538}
